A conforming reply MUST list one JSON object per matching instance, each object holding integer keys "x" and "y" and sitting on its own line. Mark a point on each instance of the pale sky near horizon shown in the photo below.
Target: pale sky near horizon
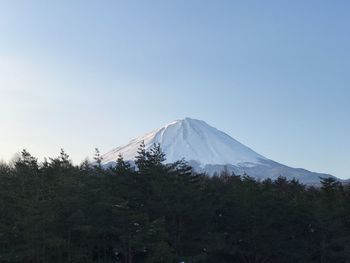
{"x": 84, "y": 74}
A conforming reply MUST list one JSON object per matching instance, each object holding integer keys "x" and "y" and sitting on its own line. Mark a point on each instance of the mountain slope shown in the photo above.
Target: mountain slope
{"x": 209, "y": 150}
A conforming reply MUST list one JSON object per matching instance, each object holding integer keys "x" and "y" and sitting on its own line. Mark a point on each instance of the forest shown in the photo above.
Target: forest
{"x": 55, "y": 211}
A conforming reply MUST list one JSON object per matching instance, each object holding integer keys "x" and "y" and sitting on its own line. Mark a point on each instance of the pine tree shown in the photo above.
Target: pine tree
{"x": 141, "y": 158}
{"x": 98, "y": 158}
{"x": 122, "y": 167}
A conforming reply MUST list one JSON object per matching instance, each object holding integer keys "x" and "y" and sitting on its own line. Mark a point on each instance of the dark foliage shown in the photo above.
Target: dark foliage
{"x": 57, "y": 212}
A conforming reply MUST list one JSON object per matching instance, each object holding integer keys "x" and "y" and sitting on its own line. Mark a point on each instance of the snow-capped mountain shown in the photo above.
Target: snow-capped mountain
{"x": 209, "y": 150}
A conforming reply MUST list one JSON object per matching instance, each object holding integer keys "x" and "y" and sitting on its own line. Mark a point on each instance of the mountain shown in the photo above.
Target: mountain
{"x": 209, "y": 150}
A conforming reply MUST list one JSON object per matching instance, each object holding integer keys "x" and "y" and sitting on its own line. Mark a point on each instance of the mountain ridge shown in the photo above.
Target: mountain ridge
{"x": 209, "y": 150}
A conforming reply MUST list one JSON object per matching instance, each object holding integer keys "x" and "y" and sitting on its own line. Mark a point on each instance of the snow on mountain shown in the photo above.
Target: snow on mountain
{"x": 193, "y": 140}
{"x": 209, "y": 150}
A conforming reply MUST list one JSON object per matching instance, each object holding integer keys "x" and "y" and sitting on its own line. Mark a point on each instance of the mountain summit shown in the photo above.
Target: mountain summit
{"x": 193, "y": 140}
{"x": 209, "y": 150}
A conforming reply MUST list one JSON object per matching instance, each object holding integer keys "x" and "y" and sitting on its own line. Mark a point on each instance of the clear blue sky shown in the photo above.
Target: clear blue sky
{"x": 85, "y": 74}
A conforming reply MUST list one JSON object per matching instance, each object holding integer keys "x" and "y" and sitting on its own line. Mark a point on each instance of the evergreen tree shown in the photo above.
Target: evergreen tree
{"x": 98, "y": 158}
{"x": 55, "y": 211}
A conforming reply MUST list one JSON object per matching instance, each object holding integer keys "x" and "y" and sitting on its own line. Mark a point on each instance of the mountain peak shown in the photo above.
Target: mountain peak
{"x": 187, "y": 120}
{"x": 193, "y": 140}
{"x": 209, "y": 150}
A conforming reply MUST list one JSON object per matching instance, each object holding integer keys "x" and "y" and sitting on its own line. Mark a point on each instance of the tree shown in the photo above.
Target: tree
{"x": 58, "y": 212}
{"x": 148, "y": 161}
{"x": 122, "y": 167}
{"x": 98, "y": 158}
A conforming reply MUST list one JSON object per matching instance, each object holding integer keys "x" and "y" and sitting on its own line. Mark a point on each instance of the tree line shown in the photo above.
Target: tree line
{"x": 54, "y": 211}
